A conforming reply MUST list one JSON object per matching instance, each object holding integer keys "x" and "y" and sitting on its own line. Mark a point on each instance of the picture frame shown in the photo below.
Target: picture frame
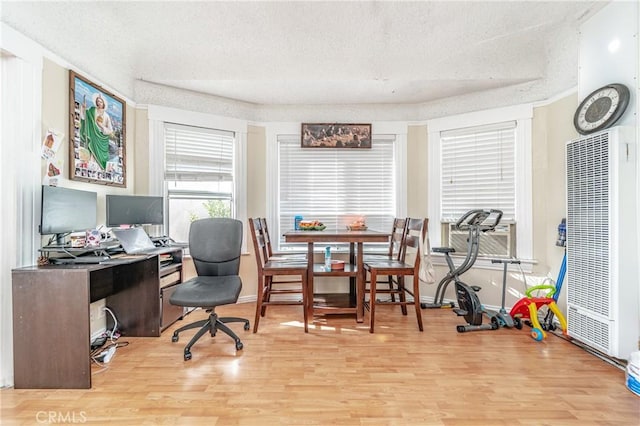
{"x": 97, "y": 134}
{"x": 335, "y": 135}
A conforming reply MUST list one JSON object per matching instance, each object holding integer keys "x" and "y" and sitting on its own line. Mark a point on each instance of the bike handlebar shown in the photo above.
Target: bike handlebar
{"x": 484, "y": 220}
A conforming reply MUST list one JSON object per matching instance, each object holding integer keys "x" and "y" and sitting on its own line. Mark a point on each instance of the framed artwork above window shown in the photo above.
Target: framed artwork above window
{"x": 336, "y": 135}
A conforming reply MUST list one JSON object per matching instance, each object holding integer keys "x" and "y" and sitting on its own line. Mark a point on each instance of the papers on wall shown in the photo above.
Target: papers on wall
{"x": 51, "y": 143}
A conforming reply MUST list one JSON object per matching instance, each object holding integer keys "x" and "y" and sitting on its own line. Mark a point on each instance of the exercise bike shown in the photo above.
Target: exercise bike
{"x": 475, "y": 222}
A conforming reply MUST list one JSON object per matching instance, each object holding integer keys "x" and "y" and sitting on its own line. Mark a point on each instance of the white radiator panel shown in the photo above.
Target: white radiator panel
{"x": 602, "y": 251}
{"x": 596, "y": 332}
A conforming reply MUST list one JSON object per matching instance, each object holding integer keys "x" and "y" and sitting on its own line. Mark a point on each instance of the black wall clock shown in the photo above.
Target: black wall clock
{"x": 601, "y": 109}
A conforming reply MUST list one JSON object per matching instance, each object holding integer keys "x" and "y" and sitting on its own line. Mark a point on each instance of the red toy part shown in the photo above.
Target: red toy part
{"x": 527, "y": 308}
{"x": 521, "y": 308}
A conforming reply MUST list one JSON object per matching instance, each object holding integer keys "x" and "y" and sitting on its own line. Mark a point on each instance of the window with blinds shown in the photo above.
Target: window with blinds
{"x": 198, "y": 175}
{"x": 336, "y": 186}
{"x": 478, "y": 170}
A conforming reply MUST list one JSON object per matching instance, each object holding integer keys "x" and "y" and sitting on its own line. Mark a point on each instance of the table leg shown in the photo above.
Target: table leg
{"x": 309, "y": 306}
{"x": 353, "y": 281}
{"x": 360, "y": 284}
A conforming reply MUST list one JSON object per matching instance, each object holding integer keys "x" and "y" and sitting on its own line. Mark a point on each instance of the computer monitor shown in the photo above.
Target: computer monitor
{"x": 134, "y": 210}
{"x": 65, "y": 210}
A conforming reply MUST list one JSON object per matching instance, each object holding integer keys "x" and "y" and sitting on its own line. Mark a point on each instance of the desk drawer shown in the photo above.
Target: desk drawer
{"x": 169, "y": 313}
{"x": 172, "y": 278}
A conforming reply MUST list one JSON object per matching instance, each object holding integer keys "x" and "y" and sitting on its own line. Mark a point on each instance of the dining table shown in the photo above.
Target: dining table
{"x": 353, "y": 269}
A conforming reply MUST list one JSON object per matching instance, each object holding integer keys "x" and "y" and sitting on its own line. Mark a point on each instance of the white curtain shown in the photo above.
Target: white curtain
{"x": 20, "y": 128}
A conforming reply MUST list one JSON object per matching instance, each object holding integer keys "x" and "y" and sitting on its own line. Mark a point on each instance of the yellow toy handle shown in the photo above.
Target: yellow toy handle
{"x": 533, "y": 316}
{"x": 563, "y": 322}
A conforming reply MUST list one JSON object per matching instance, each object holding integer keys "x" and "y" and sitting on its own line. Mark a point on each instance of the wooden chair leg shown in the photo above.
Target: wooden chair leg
{"x": 309, "y": 290}
{"x": 402, "y": 295}
{"x": 259, "y": 306}
{"x": 266, "y": 294}
{"x": 416, "y": 300}
{"x": 372, "y": 300}
{"x": 390, "y": 282}
{"x": 269, "y": 288}
{"x": 305, "y": 302}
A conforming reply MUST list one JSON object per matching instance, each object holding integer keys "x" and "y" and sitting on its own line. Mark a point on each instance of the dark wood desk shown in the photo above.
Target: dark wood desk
{"x": 51, "y": 324}
{"x": 353, "y": 269}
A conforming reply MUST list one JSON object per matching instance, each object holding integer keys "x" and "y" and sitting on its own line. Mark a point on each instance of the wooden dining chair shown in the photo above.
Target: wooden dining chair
{"x": 398, "y": 232}
{"x": 270, "y": 254}
{"x": 399, "y": 268}
{"x": 269, "y": 285}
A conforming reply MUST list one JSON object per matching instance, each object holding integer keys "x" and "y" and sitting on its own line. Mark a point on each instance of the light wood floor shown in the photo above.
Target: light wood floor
{"x": 339, "y": 374}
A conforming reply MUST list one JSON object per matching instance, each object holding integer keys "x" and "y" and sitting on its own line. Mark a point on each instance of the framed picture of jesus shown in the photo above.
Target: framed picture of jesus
{"x": 97, "y": 151}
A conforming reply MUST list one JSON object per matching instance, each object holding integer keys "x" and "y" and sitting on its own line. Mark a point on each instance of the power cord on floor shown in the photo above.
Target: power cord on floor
{"x": 115, "y": 323}
{"x": 102, "y": 355}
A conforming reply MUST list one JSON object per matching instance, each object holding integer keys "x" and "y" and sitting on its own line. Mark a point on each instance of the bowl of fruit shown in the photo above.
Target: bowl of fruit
{"x": 357, "y": 225}
{"x": 311, "y": 225}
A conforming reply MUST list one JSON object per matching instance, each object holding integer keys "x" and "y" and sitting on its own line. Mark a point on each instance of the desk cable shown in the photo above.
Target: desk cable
{"x": 103, "y": 355}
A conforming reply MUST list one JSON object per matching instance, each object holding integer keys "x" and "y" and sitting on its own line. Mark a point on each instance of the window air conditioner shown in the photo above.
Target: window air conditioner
{"x": 497, "y": 243}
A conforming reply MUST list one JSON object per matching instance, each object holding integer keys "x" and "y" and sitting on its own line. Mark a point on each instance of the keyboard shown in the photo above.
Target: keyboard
{"x": 79, "y": 260}
{"x": 109, "y": 244}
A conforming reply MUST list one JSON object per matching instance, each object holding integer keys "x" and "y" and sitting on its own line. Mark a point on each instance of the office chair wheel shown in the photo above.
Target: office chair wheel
{"x": 461, "y": 328}
{"x": 187, "y": 355}
{"x": 239, "y": 345}
{"x": 246, "y": 325}
{"x": 174, "y": 338}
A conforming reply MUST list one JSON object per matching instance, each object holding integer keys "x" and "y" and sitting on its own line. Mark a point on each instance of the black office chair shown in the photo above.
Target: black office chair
{"x": 215, "y": 246}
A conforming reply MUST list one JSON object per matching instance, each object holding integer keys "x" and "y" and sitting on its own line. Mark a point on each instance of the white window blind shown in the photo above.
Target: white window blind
{"x": 198, "y": 154}
{"x": 198, "y": 174}
{"x": 337, "y": 185}
{"x": 478, "y": 170}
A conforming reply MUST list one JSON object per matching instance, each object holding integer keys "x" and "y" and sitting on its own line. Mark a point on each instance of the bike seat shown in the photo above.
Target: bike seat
{"x": 443, "y": 249}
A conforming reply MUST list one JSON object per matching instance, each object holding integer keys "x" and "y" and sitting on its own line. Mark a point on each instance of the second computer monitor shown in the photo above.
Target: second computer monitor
{"x": 134, "y": 210}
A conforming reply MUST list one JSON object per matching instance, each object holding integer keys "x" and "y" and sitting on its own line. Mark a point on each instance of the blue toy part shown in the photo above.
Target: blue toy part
{"x": 537, "y": 334}
{"x": 561, "y": 274}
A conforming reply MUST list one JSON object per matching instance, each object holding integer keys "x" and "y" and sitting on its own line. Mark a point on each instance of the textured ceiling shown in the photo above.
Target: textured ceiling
{"x": 306, "y": 53}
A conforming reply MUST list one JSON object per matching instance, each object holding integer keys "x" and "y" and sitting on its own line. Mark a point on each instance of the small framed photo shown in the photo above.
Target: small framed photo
{"x": 97, "y": 123}
{"x": 336, "y": 135}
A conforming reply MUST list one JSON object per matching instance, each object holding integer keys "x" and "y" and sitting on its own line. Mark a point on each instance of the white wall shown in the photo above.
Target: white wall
{"x": 609, "y": 53}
